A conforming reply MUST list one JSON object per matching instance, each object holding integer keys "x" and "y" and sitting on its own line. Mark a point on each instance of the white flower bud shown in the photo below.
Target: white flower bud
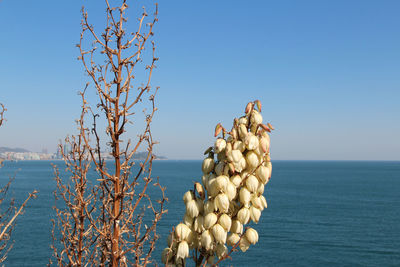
{"x": 244, "y": 196}
{"x": 188, "y": 196}
{"x": 219, "y": 169}
{"x": 255, "y": 214}
{"x": 219, "y": 145}
{"x": 236, "y": 180}
{"x": 264, "y": 144}
{"x": 251, "y": 142}
{"x": 252, "y": 159}
{"x": 221, "y": 250}
{"x": 222, "y": 202}
{"x": 236, "y": 155}
{"x": 239, "y": 145}
{"x": 208, "y": 165}
{"x": 221, "y": 183}
{"x": 230, "y": 191}
{"x": 252, "y": 183}
{"x": 187, "y": 220}
{"x": 206, "y": 178}
{"x": 192, "y": 209}
{"x": 219, "y": 233}
{"x": 244, "y": 244}
{"x": 206, "y": 240}
{"x": 269, "y": 166}
{"x": 183, "y": 250}
{"x": 212, "y": 187}
{"x": 241, "y": 165}
{"x": 256, "y": 202}
{"x": 264, "y": 201}
{"x": 251, "y": 235}
{"x": 209, "y": 206}
{"x": 243, "y": 215}
{"x": 242, "y": 131}
{"x": 232, "y": 239}
{"x": 243, "y": 120}
{"x": 236, "y": 227}
{"x": 225, "y": 221}
{"x": 166, "y": 255}
{"x": 199, "y": 224}
{"x": 263, "y": 174}
{"x": 260, "y": 189}
{"x": 255, "y": 117}
{"x": 209, "y": 220}
{"x": 182, "y": 232}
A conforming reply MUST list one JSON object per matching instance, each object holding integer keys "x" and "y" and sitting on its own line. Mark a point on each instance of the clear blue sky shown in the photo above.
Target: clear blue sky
{"x": 327, "y": 72}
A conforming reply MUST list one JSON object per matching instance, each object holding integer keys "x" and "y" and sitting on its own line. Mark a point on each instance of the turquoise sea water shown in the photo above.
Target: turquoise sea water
{"x": 320, "y": 213}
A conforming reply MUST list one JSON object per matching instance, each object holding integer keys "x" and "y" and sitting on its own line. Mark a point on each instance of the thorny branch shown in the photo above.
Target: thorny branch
{"x": 107, "y": 215}
{"x": 9, "y": 215}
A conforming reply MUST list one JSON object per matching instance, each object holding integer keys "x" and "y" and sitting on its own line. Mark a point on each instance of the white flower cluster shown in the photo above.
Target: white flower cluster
{"x": 231, "y": 194}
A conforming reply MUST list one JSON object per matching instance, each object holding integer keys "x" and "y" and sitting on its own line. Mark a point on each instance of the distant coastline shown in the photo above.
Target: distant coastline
{"x": 21, "y": 154}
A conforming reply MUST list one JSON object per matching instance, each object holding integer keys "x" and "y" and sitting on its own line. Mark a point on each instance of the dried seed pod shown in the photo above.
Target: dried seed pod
{"x": 218, "y": 129}
{"x": 200, "y": 190}
{"x": 249, "y": 107}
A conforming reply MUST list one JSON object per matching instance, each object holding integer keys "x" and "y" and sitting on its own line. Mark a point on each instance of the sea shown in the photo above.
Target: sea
{"x": 320, "y": 213}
